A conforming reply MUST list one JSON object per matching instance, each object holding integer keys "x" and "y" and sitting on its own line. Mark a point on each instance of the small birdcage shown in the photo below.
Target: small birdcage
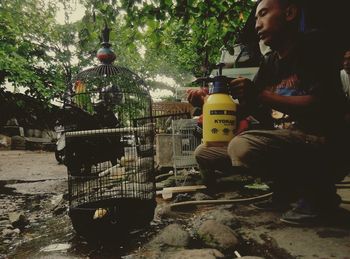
{"x": 109, "y": 149}
{"x": 184, "y": 143}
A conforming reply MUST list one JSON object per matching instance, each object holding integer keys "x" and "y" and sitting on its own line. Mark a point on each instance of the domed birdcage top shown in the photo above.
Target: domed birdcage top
{"x": 112, "y": 87}
{"x": 109, "y": 149}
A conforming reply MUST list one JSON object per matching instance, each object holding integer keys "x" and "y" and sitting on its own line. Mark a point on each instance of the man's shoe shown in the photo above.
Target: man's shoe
{"x": 298, "y": 218}
{"x": 305, "y": 214}
{"x": 332, "y": 217}
{"x": 270, "y": 205}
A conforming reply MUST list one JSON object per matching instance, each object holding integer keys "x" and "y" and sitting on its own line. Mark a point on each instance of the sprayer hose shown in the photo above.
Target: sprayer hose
{"x": 220, "y": 202}
{"x": 245, "y": 200}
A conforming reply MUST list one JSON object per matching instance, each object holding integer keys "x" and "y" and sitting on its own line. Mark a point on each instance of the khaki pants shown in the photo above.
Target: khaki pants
{"x": 262, "y": 151}
{"x": 292, "y": 159}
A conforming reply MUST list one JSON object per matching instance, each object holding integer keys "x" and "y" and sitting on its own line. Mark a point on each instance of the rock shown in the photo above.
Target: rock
{"x": 56, "y": 247}
{"x": 217, "y": 235}
{"x": 182, "y": 197}
{"x": 251, "y": 257}
{"x": 4, "y": 217}
{"x": 172, "y": 235}
{"x": 170, "y": 182}
{"x": 224, "y": 217}
{"x": 17, "y": 230}
{"x": 60, "y": 209}
{"x": 18, "y": 143}
{"x": 133, "y": 256}
{"x": 56, "y": 200}
{"x": 144, "y": 254}
{"x": 8, "y": 233}
{"x": 9, "y": 226}
{"x": 37, "y": 133}
{"x": 164, "y": 212}
{"x": 4, "y": 222}
{"x": 18, "y": 219}
{"x": 196, "y": 253}
{"x": 59, "y": 204}
{"x": 5, "y": 142}
{"x": 29, "y": 132}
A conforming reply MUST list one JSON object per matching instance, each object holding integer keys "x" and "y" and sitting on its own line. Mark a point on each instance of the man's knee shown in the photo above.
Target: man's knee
{"x": 212, "y": 157}
{"x": 199, "y": 153}
{"x": 239, "y": 150}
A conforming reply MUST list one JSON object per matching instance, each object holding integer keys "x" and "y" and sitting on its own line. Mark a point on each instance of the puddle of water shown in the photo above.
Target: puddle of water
{"x": 8, "y": 190}
{"x": 56, "y": 199}
{"x": 58, "y": 230}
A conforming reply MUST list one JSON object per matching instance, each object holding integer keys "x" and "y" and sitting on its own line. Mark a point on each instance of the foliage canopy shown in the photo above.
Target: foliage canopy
{"x": 176, "y": 38}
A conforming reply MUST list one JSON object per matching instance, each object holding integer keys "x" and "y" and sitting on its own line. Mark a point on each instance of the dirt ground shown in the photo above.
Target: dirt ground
{"x": 34, "y": 185}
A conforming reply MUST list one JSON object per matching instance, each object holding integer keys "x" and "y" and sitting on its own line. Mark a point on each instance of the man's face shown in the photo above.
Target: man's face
{"x": 346, "y": 63}
{"x": 270, "y": 21}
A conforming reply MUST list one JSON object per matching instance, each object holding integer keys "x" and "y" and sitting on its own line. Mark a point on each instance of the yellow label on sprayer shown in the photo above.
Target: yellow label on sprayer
{"x": 219, "y": 120}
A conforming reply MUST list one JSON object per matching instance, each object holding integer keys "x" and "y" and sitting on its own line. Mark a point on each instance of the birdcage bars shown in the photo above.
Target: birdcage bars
{"x": 184, "y": 144}
{"x": 109, "y": 149}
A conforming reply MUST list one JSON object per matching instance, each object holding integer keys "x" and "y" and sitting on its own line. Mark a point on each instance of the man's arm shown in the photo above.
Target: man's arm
{"x": 245, "y": 91}
{"x": 292, "y": 105}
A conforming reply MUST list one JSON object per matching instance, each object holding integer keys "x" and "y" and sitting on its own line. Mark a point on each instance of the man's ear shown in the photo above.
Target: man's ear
{"x": 291, "y": 12}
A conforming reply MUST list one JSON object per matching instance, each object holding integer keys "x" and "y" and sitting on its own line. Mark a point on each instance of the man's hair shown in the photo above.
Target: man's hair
{"x": 286, "y": 2}
{"x": 300, "y": 20}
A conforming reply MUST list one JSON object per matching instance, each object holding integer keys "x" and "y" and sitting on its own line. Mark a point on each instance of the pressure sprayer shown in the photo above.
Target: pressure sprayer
{"x": 219, "y": 113}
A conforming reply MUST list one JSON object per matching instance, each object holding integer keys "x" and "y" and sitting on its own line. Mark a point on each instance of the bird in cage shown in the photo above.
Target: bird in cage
{"x": 111, "y": 95}
{"x": 81, "y": 97}
{"x": 92, "y": 150}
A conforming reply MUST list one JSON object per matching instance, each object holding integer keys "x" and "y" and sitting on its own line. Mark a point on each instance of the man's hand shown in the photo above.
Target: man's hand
{"x": 240, "y": 88}
{"x": 196, "y": 96}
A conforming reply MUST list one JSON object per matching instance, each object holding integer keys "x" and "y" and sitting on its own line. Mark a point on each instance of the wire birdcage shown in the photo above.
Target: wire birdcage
{"x": 109, "y": 149}
{"x": 184, "y": 143}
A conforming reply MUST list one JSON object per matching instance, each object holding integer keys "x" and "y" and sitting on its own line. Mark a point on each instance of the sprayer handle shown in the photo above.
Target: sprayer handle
{"x": 225, "y": 79}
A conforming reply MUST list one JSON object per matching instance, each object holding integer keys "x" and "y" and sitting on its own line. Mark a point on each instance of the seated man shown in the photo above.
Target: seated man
{"x": 345, "y": 74}
{"x": 294, "y": 80}
{"x": 345, "y": 79}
